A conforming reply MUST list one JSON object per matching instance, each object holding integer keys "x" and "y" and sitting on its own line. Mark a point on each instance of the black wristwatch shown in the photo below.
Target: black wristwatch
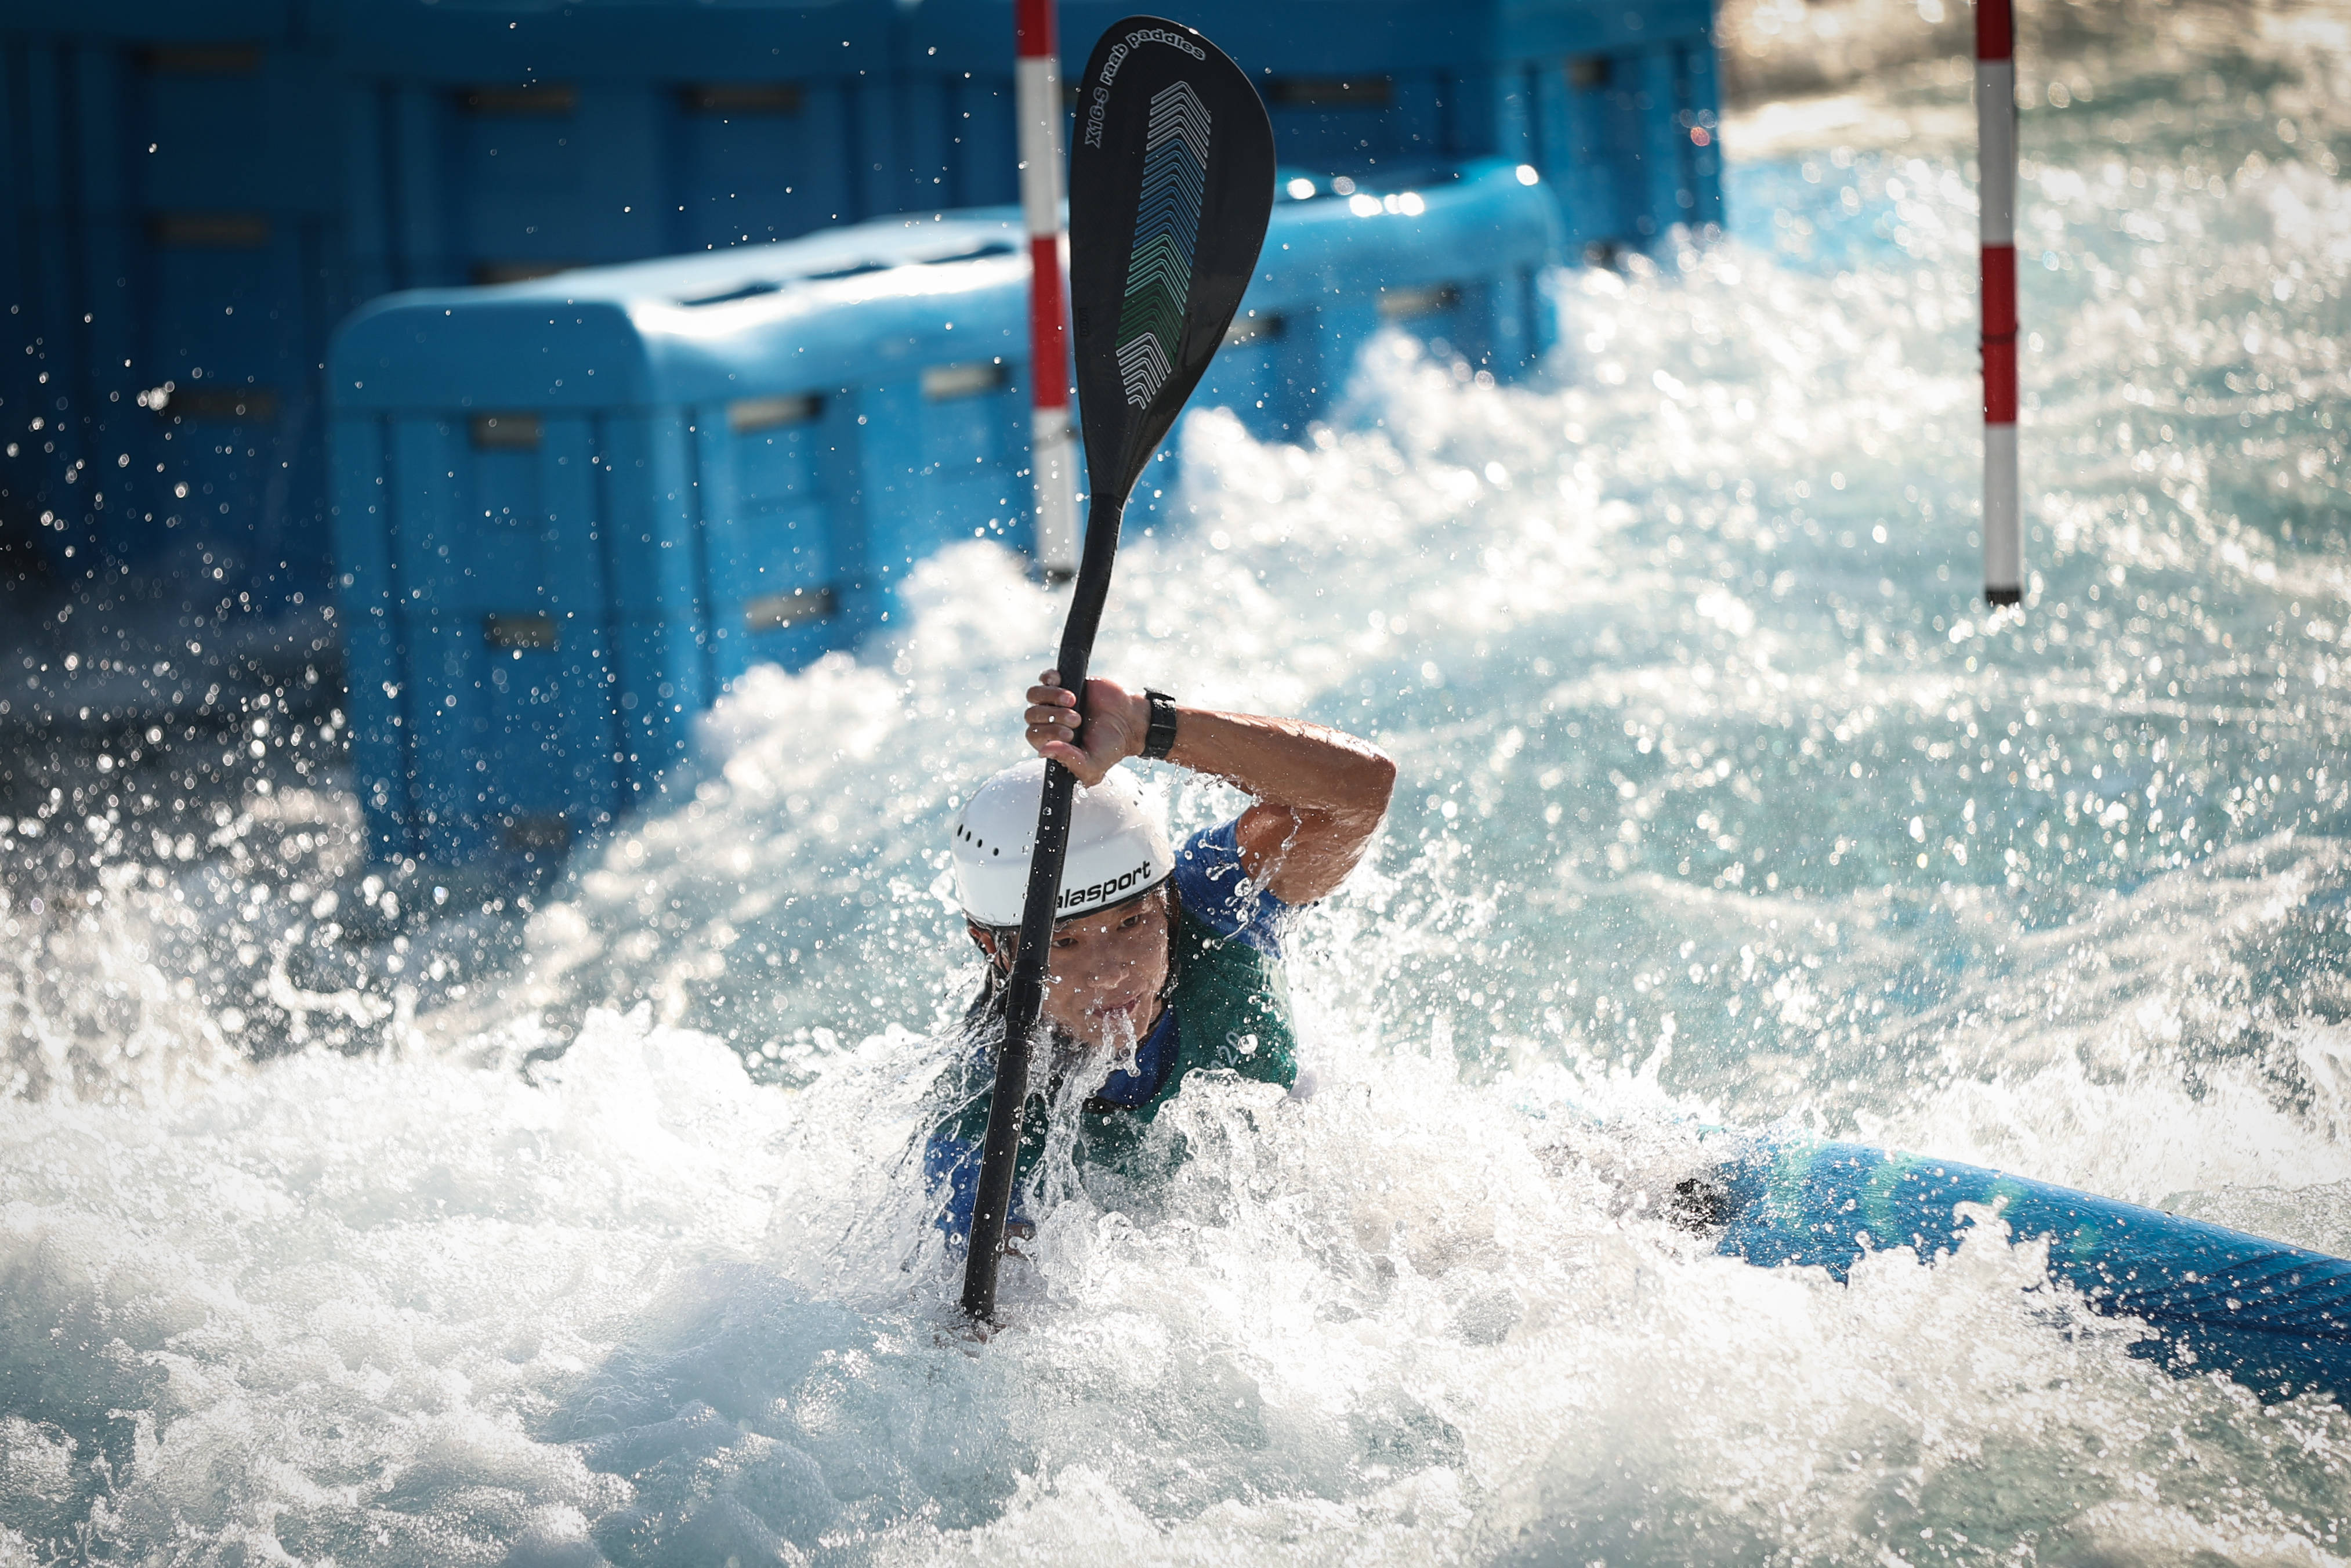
{"x": 1160, "y": 738}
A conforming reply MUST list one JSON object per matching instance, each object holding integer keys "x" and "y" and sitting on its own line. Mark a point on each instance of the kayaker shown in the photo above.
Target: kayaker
{"x": 1166, "y": 961}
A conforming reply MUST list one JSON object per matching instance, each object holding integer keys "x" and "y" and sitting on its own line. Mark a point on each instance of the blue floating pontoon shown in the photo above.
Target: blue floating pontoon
{"x": 569, "y": 510}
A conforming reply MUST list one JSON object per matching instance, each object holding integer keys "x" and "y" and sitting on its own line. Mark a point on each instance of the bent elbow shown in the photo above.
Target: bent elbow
{"x": 1379, "y": 780}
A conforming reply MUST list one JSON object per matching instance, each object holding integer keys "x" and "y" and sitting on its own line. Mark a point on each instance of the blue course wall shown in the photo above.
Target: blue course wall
{"x": 199, "y": 191}
{"x": 174, "y": 218}
{"x": 1602, "y": 98}
{"x": 487, "y": 145}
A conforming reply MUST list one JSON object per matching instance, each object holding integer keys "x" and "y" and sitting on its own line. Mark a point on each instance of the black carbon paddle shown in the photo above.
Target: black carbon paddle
{"x": 1171, "y": 181}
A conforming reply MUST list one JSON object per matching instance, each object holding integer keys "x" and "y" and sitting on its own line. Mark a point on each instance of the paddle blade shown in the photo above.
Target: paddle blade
{"x": 1171, "y": 181}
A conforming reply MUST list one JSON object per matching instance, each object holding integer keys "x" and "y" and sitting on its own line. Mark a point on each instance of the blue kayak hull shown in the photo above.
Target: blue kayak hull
{"x": 2276, "y": 1318}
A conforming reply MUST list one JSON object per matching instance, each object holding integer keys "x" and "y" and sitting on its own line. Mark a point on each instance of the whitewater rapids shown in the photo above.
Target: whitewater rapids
{"x": 344, "y": 1222}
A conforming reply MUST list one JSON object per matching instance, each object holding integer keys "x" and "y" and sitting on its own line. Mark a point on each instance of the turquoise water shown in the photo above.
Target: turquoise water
{"x": 577, "y": 1223}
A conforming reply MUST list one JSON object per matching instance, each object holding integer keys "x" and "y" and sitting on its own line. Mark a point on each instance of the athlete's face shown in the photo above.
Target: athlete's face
{"x": 1104, "y": 975}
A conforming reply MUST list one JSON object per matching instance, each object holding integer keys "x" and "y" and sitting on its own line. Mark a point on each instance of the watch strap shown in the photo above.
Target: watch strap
{"x": 1160, "y": 738}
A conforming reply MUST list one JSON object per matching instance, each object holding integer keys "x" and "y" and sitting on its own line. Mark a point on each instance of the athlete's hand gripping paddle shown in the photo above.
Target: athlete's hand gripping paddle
{"x": 1171, "y": 181}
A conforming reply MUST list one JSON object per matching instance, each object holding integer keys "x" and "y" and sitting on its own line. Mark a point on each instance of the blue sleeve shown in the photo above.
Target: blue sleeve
{"x": 1212, "y": 883}
{"x": 953, "y": 1164}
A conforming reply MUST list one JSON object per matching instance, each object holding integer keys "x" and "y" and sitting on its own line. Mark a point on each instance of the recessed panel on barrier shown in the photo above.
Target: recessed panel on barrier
{"x": 771, "y": 485}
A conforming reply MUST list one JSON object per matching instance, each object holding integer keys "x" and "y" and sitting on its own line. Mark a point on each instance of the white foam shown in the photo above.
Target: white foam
{"x": 621, "y": 1251}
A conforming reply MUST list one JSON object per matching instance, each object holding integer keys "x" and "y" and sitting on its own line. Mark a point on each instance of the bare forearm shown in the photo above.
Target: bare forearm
{"x": 1287, "y": 762}
{"x": 1320, "y": 792}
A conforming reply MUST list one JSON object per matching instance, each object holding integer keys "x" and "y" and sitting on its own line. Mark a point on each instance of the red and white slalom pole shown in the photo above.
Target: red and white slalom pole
{"x": 2003, "y": 539}
{"x": 1037, "y": 101}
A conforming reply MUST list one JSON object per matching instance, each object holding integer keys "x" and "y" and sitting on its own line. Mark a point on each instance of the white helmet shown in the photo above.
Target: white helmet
{"x": 1118, "y": 847}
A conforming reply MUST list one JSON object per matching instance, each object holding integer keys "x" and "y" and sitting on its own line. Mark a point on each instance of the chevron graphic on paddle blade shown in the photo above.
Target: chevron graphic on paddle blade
{"x": 1158, "y": 282}
{"x": 1166, "y": 231}
{"x": 1169, "y": 202}
{"x": 1144, "y": 365}
{"x": 1168, "y": 211}
{"x": 1176, "y": 110}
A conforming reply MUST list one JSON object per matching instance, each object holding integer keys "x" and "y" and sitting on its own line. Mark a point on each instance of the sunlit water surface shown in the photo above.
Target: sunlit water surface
{"x": 345, "y": 1221}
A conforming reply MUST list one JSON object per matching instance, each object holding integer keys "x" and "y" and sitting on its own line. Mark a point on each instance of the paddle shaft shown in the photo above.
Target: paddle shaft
{"x": 1024, "y": 992}
{"x": 1171, "y": 183}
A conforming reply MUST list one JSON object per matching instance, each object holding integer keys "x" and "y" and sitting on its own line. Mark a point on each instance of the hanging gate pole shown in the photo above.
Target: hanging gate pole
{"x": 1037, "y": 93}
{"x": 2003, "y": 542}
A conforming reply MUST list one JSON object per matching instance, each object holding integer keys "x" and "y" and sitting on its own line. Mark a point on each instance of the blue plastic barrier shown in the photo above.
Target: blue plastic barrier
{"x": 176, "y": 226}
{"x": 959, "y": 148}
{"x": 754, "y": 446}
{"x": 1453, "y": 257}
{"x": 489, "y": 145}
{"x": 63, "y": 169}
{"x": 1617, "y": 106}
{"x": 570, "y": 510}
{"x": 310, "y": 155}
{"x": 509, "y": 650}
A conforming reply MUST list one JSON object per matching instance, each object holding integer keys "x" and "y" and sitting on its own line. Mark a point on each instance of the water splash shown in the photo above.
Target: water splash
{"x": 1725, "y": 801}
